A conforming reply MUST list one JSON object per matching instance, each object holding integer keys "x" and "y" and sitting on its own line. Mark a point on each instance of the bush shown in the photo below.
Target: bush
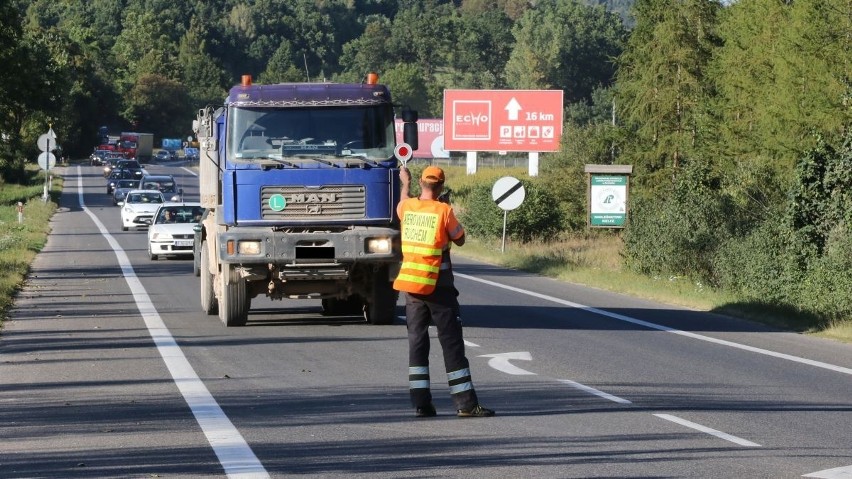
{"x": 538, "y": 217}
{"x": 678, "y": 234}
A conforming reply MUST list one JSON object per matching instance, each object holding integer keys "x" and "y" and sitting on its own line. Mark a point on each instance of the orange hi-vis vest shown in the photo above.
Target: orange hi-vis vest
{"x": 427, "y": 228}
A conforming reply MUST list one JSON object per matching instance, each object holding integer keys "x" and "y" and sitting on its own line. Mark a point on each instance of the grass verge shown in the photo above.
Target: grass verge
{"x": 21, "y": 241}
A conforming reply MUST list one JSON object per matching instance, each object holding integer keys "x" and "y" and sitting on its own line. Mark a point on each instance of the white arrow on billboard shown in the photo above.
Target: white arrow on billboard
{"x": 513, "y": 107}
{"x": 501, "y": 362}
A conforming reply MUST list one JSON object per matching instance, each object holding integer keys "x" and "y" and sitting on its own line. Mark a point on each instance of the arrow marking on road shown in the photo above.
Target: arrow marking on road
{"x": 501, "y": 362}
{"x": 836, "y": 473}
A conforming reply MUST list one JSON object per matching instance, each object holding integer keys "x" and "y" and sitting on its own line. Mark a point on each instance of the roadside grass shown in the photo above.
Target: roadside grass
{"x": 20, "y": 242}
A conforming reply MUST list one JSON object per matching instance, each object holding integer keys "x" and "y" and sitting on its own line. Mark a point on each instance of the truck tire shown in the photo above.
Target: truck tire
{"x": 380, "y": 306}
{"x": 208, "y": 297}
{"x": 233, "y": 302}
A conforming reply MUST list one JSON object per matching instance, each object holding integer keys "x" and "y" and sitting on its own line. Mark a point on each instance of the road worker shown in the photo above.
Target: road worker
{"x": 426, "y": 277}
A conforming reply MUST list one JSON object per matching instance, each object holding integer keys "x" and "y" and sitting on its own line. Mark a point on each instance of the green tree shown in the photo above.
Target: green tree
{"x": 202, "y": 77}
{"x": 566, "y": 45}
{"x": 158, "y": 105}
{"x": 661, "y": 81}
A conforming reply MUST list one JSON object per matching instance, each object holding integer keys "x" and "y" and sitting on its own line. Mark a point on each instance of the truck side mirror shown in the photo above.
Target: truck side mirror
{"x": 409, "y": 127}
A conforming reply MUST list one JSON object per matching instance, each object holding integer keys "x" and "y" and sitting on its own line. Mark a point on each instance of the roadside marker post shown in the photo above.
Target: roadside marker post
{"x": 508, "y": 193}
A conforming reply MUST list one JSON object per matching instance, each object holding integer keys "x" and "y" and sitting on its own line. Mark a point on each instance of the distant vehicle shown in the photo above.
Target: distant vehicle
{"x": 109, "y": 161}
{"x": 117, "y": 175}
{"x": 163, "y": 155}
{"x": 121, "y": 188}
{"x": 139, "y": 146}
{"x": 97, "y": 157}
{"x": 131, "y": 165}
{"x": 190, "y": 154}
{"x": 138, "y": 208}
{"x": 171, "y": 230}
{"x": 165, "y": 184}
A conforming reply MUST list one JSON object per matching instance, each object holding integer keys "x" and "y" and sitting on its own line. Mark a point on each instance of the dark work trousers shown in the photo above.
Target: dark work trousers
{"x": 441, "y": 308}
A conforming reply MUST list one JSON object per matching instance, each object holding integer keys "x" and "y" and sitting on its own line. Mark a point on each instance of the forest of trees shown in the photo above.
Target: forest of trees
{"x": 735, "y": 114}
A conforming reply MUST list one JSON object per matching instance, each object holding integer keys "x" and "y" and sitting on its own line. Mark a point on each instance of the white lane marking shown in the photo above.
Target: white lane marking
{"x": 466, "y": 342}
{"x": 628, "y": 319}
{"x": 594, "y": 391}
{"x": 500, "y": 362}
{"x": 705, "y": 429}
{"x": 188, "y": 171}
{"x": 235, "y": 455}
{"x": 836, "y": 473}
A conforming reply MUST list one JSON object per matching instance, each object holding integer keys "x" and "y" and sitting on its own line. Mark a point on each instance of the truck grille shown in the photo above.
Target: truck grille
{"x": 305, "y": 204}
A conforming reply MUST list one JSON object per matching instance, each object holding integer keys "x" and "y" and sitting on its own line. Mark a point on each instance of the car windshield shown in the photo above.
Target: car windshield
{"x": 179, "y": 214}
{"x": 309, "y": 135}
{"x": 145, "y": 198}
{"x": 126, "y": 184}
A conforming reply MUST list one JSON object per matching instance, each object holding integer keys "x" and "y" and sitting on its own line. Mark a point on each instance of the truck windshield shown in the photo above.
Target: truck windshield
{"x": 302, "y": 134}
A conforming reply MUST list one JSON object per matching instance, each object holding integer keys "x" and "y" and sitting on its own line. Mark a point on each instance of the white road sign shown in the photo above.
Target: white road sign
{"x": 46, "y": 142}
{"x": 508, "y": 192}
{"x": 46, "y": 160}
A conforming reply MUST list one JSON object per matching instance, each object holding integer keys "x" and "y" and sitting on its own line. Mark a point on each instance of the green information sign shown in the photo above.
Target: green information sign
{"x": 277, "y": 202}
{"x": 608, "y": 200}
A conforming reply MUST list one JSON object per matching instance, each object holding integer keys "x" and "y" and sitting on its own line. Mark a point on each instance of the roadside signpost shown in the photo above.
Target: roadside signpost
{"x": 607, "y": 195}
{"x": 46, "y": 160}
{"x": 502, "y": 121}
{"x": 508, "y": 193}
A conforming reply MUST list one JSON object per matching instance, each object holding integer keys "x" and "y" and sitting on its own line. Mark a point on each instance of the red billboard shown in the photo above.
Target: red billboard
{"x": 502, "y": 120}
{"x": 430, "y": 138}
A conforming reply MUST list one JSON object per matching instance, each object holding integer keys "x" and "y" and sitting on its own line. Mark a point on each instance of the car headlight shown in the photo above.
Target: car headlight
{"x": 161, "y": 236}
{"x": 378, "y": 245}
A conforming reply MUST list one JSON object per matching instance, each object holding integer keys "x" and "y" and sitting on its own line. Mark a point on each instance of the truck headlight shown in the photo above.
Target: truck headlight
{"x": 378, "y": 245}
{"x": 249, "y": 247}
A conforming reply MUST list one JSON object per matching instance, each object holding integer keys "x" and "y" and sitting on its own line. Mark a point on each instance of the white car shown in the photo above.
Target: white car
{"x": 171, "y": 231}
{"x": 138, "y": 208}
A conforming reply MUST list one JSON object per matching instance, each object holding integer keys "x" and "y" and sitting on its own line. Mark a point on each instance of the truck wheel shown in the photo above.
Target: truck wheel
{"x": 208, "y": 298}
{"x": 380, "y": 306}
{"x": 233, "y": 302}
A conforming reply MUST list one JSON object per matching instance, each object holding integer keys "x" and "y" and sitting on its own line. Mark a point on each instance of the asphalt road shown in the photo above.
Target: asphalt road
{"x": 108, "y": 368}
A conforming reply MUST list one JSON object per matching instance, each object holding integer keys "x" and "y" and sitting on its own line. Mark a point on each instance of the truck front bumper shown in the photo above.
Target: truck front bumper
{"x": 258, "y": 245}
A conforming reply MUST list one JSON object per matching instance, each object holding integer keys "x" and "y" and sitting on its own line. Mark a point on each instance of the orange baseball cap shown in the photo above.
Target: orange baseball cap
{"x": 432, "y": 174}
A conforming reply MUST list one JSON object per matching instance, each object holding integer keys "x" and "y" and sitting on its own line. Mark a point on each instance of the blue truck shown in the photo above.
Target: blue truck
{"x": 301, "y": 182}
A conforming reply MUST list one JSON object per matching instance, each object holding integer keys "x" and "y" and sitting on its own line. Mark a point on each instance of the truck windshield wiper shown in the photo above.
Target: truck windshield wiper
{"x": 265, "y": 161}
{"x": 359, "y": 158}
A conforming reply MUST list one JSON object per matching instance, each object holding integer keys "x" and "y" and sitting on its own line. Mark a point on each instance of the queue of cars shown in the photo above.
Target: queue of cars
{"x": 155, "y": 203}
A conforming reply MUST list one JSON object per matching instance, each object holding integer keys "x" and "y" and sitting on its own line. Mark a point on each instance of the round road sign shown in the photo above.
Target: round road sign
{"x": 46, "y": 142}
{"x": 508, "y": 192}
{"x": 46, "y": 160}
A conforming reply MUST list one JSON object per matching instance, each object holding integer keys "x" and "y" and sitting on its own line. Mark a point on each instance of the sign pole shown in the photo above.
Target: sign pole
{"x": 503, "y": 247}
{"x": 46, "y": 171}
